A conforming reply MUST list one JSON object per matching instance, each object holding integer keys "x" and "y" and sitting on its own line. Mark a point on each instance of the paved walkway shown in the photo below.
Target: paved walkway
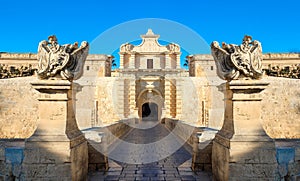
{"x": 148, "y": 154}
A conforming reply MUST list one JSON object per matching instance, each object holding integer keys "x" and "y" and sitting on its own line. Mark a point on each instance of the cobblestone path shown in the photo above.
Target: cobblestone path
{"x": 159, "y": 161}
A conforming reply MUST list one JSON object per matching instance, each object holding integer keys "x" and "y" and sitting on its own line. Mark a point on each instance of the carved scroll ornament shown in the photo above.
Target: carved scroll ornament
{"x": 238, "y": 61}
{"x": 61, "y": 61}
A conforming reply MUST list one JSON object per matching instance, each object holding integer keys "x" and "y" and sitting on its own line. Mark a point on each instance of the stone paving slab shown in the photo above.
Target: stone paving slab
{"x": 176, "y": 166}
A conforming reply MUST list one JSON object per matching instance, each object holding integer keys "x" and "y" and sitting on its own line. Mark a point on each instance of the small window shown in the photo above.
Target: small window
{"x": 87, "y": 67}
{"x": 149, "y": 63}
{"x": 212, "y": 68}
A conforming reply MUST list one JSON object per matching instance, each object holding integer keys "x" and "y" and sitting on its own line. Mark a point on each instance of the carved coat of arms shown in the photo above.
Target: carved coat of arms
{"x": 238, "y": 61}
{"x": 61, "y": 61}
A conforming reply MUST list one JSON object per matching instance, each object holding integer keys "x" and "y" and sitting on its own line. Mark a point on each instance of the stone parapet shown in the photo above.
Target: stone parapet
{"x": 199, "y": 138}
{"x": 100, "y": 141}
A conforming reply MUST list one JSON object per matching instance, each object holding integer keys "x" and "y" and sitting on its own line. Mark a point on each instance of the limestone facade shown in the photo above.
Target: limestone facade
{"x": 151, "y": 74}
{"x": 105, "y": 96}
{"x": 150, "y": 77}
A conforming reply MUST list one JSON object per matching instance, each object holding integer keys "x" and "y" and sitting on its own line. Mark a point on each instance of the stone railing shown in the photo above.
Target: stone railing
{"x": 100, "y": 140}
{"x": 199, "y": 138}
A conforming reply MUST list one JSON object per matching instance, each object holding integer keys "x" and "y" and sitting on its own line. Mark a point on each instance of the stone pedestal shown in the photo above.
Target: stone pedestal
{"x": 57, "y": 149}
{"x": 241, "y": 149}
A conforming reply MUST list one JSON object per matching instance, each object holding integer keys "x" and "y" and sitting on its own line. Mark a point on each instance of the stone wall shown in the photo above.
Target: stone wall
{"x": 97, "y": 101}
{"x": 18, "y": 105}
{"x": 109, "y": 96}
{"x": 281, "y": 108}
{"x": 280, "y": 105}
{"x": 202, "y": 101}
{"x": 18, "y": 108}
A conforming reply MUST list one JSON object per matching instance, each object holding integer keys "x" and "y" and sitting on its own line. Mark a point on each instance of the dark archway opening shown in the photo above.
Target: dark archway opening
{"x": 150, "y": 111}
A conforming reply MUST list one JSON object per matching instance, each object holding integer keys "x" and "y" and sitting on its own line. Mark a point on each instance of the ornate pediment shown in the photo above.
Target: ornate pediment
{"x": 149, "y": 45}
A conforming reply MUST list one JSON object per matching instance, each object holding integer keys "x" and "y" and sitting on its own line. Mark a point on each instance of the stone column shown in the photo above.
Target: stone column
{"x": 178, "y": 98}
{"x": 120, "y": 98}
{"x": 173, "y": 95}
{"x": 167, "y": 98}
{"x": 241, "y": 149}
{"x": 167, "y": 61}
{"x": 178, "y": 60}
{"x": 57, "y": 149}
{"x": 132, "y": 61}
{"x": 121, "y": 61}
{"x": 132, "y": 103}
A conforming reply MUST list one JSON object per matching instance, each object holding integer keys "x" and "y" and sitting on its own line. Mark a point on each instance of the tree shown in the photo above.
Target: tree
{"x": 186, "y": 63}
{"x": 113, "y": 63}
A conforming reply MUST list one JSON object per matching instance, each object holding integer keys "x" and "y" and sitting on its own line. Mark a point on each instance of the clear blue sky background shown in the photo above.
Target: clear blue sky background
{"x": 274, "y": 23}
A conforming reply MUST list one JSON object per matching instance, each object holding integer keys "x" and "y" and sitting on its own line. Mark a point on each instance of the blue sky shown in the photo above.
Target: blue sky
{"x": 25, "y": 23}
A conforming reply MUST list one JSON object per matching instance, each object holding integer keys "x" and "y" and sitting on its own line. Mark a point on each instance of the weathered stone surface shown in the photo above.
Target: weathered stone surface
{"x": 18, "y": 108}
{"x": 57, "y": 143}
{"x": 238, "y": 61}
{"x": 297, "y": 153}
{"x": 18, "y": 118}
{"x": 241, "y": 149}
{"x": 280, "y": 108}
{"x": 61, "y": 61}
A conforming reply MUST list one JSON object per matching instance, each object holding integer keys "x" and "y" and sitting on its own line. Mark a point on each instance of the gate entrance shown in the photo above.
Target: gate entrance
{"x": 150, "y": 111}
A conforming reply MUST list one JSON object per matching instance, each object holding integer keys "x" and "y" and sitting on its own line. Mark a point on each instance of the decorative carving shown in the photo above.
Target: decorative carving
{"x": 13, "y": 71}
{"x": 61, "y": 61}
{"x": 288, "y": 71}
{"x": 173, "y": 48}
{"x": 238, "y": 61}
{"x": 127, "y": 47}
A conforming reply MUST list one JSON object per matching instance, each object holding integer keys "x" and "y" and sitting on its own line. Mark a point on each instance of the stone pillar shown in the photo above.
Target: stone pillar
{"x": 126, "y": 98}
{"x": 121, "y": 61}
{"x": 57, "y": 149}
{"x": 167, "y": 98}
{"x": 178, "y": 60}
{"x": 178, "y": 98}
{"x": 132, "y": 61}
{"x": 168, "y": 61}
{"x": 132, "y": 103}
{"x": 120, "y": 98}
{"x": 241, "y": 149}
{"x": 173, "y": 95}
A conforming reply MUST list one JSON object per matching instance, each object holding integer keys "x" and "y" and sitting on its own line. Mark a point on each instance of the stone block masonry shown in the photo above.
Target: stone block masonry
{"x": 241, "y": 149}
{"x": 57, "y": 149}
{"x": 18, "y": 108}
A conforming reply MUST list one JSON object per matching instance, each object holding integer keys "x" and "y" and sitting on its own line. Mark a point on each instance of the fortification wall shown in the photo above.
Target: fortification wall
{"x": 96, "y": 101}
{"x": 18, "y": 107}
{"x": 281, "y": 108}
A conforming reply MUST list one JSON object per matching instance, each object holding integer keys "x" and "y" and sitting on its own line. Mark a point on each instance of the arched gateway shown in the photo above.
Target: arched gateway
{"x": 150, "y": 111}
{"x": 150, "y": 72}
